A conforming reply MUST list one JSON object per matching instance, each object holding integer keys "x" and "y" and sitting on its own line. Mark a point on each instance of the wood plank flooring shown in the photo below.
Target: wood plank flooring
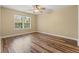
{"x": 39, "y": 43}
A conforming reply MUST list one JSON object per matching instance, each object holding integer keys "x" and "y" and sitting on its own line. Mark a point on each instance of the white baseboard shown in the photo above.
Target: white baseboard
{"x": 60, "y": 36}
{"x": 39, "y": 32}
{"x": 11, "y": 35}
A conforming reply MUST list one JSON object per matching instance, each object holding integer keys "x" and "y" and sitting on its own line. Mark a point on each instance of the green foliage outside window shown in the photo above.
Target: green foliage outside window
{"x": 22, "y": 22}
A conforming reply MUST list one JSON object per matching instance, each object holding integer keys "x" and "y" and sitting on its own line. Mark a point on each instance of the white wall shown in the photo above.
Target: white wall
{"x": 7, "y": 22}
{"x": 63, "y": 22}
{"x": 0, "y": 29}
{"x": 78, "y": 25}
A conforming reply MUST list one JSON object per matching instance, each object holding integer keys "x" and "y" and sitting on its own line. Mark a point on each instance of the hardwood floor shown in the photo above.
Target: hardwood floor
{"x": 39, "y": 43}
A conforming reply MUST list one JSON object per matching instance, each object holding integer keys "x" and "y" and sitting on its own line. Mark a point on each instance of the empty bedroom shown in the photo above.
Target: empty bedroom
{"x": 39, "y": 29}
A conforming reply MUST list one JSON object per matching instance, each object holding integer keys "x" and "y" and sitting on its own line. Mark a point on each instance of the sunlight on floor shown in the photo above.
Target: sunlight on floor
{"x": 21, "y": 45}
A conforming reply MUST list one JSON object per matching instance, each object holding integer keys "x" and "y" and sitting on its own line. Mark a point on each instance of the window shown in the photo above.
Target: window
{"x": 22, "y": 22}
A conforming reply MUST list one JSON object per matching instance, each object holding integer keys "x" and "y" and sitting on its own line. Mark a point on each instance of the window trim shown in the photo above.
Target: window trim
{"x": 23, "y": 26}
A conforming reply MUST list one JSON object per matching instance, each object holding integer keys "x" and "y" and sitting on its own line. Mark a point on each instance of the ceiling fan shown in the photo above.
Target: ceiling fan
{"x": 38, "y": 9}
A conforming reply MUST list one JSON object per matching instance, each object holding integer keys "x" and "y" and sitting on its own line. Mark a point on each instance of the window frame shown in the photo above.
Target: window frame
{"x": 23, "y": 24}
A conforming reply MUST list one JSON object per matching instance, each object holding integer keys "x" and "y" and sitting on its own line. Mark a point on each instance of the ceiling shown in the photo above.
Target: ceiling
{"x": 29, "y": 8}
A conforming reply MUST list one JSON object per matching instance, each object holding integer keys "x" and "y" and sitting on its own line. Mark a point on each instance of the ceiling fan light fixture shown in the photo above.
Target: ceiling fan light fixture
{"x": 38, "y": 9}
